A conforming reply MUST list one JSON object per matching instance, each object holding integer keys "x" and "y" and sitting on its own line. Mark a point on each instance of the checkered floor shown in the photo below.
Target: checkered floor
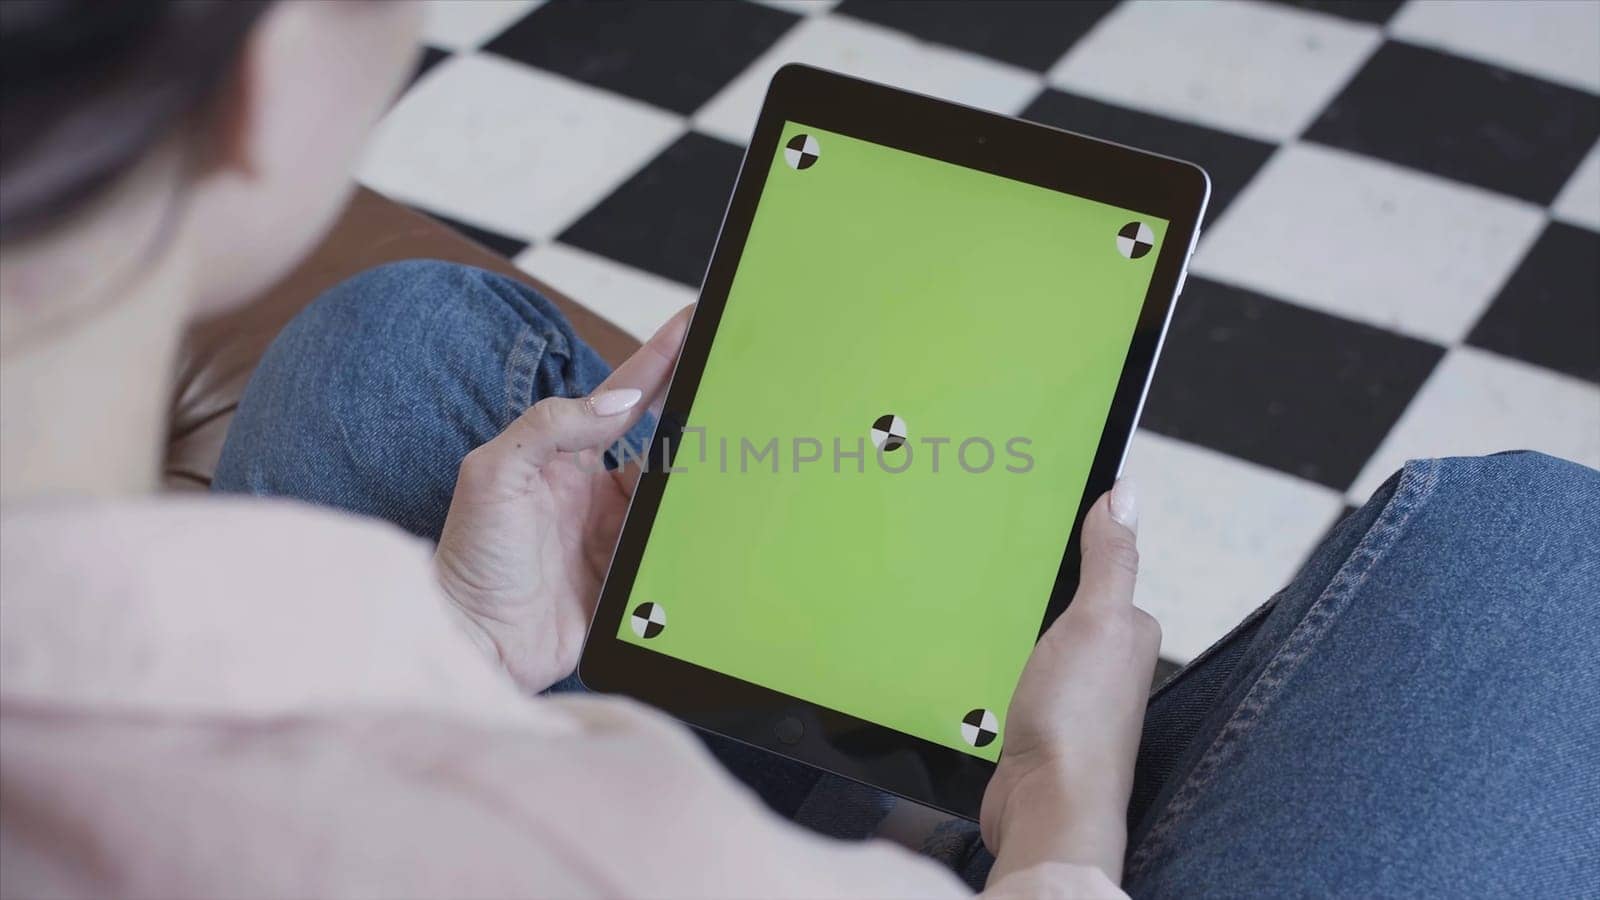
{"x": 1400, "y": 259}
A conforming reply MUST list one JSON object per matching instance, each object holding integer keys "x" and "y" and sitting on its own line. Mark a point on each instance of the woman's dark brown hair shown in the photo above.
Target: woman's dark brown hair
{"x": 88, "y": 86}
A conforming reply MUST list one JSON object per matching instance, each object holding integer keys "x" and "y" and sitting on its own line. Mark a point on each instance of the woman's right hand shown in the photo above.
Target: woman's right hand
{"x": 535, "y": 517}
{"x": 1060, "y": 792}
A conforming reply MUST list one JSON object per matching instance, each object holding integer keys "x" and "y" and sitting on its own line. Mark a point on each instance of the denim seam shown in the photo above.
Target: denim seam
{"x": 1416, "y": 485}
{"x": 521, "y": 364}
{"x": 529, "y": 349}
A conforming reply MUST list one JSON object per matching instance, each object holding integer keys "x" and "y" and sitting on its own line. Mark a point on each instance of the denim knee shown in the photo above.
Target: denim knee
{"x": 438, "y": 318}
{"x": 1518, "y": 486}
{"x": 1430, "y": 681}
{"x": 371, "y": 396}
{"x": 1483, "y": 537}
{"x": 1514, "y": 529}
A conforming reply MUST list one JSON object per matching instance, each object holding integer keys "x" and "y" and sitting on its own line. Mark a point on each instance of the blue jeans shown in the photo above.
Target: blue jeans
{"x": 1415, "y": 714}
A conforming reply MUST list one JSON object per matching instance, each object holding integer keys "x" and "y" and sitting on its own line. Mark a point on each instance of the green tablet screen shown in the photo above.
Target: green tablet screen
{"x": 892, "y": 435}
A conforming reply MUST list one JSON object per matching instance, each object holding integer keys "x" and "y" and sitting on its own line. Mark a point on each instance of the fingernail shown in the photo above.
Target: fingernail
{"x": 1125, "y": 504}
{"x": 612, "y": 403}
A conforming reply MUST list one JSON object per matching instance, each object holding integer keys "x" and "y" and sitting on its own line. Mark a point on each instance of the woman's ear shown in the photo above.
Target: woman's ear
{"x": 283, "y": 135}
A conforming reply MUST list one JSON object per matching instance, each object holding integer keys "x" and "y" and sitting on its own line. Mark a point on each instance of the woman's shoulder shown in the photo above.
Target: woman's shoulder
{"x": 228, "y": 603}
{"x": 234, "y": 530}
{"x": 244, "y": 558}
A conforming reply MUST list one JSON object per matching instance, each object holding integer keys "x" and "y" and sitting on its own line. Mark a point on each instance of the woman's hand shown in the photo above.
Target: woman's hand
{"x": 1060, "y": 793}
{"x": 535, "y": 517}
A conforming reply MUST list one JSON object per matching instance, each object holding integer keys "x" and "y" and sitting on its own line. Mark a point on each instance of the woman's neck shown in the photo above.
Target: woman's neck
{"x": 83, "y": 409}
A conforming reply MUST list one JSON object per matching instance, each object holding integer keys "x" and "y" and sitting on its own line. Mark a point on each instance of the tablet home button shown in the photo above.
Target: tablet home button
{"x": 789, "y": 730}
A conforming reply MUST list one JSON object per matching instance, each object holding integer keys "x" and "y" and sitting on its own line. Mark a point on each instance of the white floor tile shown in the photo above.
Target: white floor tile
{"x": 1478, "y": 402}
{"x": 801, "y": 7}
{"x": 520, "y": 151}
{"x": 1251, "y": 68}
{"x": 877, "y": 54}
{"x": 1371, "y": 241}
{"x": 467, "y": 24}
{"x": 636, "y": 301}
{"x": 1217, "y": 537}
{"x": 1558, "y": 40}
{"x": 1579, "y": 201}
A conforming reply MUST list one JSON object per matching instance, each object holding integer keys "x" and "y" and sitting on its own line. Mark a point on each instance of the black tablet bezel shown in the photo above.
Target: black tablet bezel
{"x": 854, "y": 748}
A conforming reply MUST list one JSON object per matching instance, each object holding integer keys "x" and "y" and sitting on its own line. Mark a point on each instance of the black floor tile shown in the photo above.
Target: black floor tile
{"x": 1463, "y": 119}
{"x": 1548, "y": 313}
{"x": 499, "y": 243}
{"x": 1230, "y": 159}
{"x": 675, "y": 55}
{"x": 665, "y": 218}
{"x": 1027, "y": 33}
{"x": 1378, "y": 12}
{"x": 1291, "y": 388}
{"x": 431, "y": 56}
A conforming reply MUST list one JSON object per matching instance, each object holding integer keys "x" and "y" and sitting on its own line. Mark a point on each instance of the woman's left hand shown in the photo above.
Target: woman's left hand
{"x": 535, "y": 516}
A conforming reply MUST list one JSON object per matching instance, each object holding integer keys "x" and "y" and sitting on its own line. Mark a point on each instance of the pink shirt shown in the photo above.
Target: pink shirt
{"x": 229, "y": 697}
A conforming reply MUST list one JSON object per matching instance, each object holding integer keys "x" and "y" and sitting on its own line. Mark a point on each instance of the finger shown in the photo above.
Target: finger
{"x": 1110, "y": 551}
{"x": 650, "y": 367}
{"x": 560, "y": 424}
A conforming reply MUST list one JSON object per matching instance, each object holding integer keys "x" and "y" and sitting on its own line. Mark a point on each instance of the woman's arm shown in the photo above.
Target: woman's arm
{"x": 1057, "y": 805}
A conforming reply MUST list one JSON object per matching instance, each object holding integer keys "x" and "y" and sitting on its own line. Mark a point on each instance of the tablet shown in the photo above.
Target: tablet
{"x": 921, "y": 347}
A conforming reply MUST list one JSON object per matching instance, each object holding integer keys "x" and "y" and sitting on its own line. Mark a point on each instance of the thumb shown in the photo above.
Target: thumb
{"x": 1110, "y": 550}
{"x": 559, "y": 425}
{"x": 650, "y": 367}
